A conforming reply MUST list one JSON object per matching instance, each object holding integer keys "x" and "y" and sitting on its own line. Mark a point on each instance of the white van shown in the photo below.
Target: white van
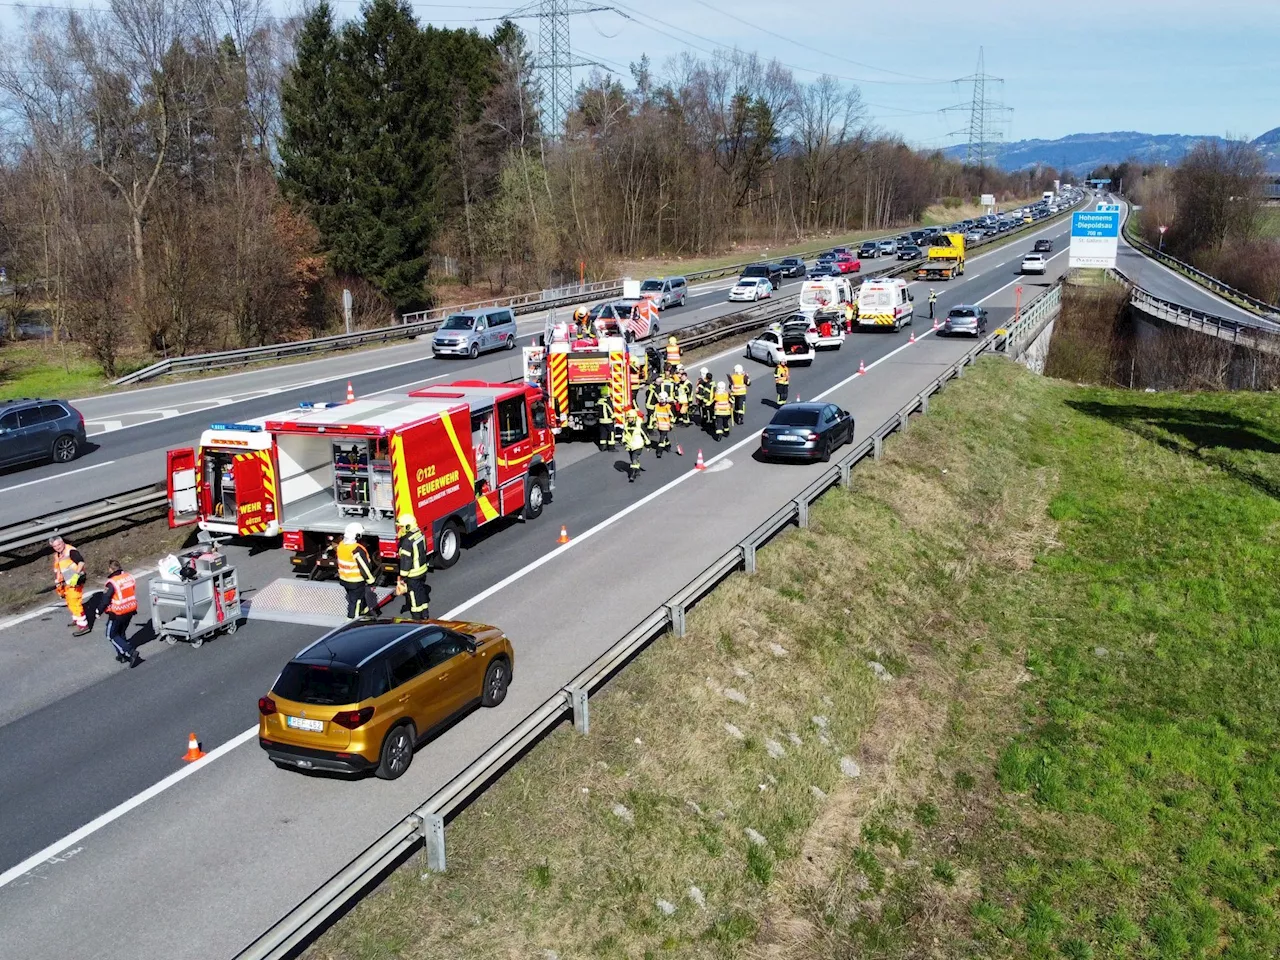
{"x": 885, "y": 302}
{"x": 826, "y": 295}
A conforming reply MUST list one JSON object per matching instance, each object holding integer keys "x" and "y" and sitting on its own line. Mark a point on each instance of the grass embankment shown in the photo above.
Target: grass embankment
{"x": 1270, "y": 221}
{"x": 35, "y": 368}
{"x": 1073, "y": 591}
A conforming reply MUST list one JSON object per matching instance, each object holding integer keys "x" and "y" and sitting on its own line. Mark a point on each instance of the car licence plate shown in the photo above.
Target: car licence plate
{"x": 299, "y": 723}
{"x": 788, "y": 438}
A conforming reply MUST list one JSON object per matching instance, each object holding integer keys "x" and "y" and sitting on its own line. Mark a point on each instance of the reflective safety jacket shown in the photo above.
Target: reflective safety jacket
{"x": 724, "y": 406}
{"x": 673, "y": 353}
{"x": 703, "y": 391}
{"x": 413, "y": 555}
{"x": 662, "y": 417}
{"x": 66, "y": 569}
{"x": 124, "y": 593}
{"x": 605, "y": 408}
{"x": 738, "y": 383}
{"x": 633, "y": 436}
{"x": 684, "y": 390}
{"x": 781, "y": 374}
{"x": 353, "y": 563}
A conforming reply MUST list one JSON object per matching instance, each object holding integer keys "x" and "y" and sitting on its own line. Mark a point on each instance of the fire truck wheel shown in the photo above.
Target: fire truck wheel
{"x": 448, "y": 545}
{"x": 535, "y": 497}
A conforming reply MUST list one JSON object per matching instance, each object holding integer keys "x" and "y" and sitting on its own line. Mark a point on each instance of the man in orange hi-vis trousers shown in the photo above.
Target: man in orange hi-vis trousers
{"x": 68, "y": 580}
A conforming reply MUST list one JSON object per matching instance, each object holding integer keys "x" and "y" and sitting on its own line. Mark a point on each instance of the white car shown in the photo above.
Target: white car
{"x": 767, "y": 347}
{"x": 811, "y": 328}
{"x": 1034, "y": 263}
{"x": 751, "y": 288}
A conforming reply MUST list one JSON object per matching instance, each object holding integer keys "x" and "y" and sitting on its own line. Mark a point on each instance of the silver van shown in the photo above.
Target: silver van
{"x": 666, "y": 292}
{"x": 475, "y": 332}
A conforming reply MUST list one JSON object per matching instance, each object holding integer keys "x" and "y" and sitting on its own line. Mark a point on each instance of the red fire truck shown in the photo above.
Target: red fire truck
{"x": 571, "y": 370}
{"x": 456, "y": 456}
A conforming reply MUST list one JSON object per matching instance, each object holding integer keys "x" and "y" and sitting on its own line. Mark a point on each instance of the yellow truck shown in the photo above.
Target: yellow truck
{"x": 945, "y": 258}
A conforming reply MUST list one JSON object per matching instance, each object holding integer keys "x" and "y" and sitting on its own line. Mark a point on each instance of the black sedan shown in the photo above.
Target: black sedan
{"x": 792, "y": 266}
{"x": 824, "y": 268}
{"x": 869, "y": 250}
{"x": 910, "y": 252}
{"x": 971, "y": 321}
{"x": 806, "y": 431}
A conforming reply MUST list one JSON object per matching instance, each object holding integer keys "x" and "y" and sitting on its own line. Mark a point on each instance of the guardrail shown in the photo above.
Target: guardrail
{"x": 425, "y": 321}
{"x": 1267, "y": 311}
{"x": 119, "y": 507}
{"x": 1245, "y": 334}
{"x": 425, "y": 826}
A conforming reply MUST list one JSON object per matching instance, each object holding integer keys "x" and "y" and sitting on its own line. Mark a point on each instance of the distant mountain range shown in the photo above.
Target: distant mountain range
{"x": 1082, "y": 152}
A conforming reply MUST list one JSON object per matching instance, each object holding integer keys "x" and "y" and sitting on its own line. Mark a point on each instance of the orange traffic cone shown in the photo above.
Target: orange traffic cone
{"x": 913, "y": 337}
{"x": 564, "y": 535}
{"x": 862, "y": 367}
{"x": 193, "y": 749}
{"x": 936, "y": 325}
{"x": 351, "y": 393}
{"x": 679, "y": 450}
{"x": 699, "y": 465}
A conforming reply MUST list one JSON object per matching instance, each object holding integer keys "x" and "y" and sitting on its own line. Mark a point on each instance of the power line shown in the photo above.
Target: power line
{"x": 555, "y": 60}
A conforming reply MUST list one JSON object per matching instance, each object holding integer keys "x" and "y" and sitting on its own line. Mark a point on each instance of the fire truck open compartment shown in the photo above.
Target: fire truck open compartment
{"x": 220, "y": 481}
{"x": 327, "y": 482}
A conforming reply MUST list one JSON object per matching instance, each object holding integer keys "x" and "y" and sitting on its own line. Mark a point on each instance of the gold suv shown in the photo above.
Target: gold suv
{"x": 362, "y": 697}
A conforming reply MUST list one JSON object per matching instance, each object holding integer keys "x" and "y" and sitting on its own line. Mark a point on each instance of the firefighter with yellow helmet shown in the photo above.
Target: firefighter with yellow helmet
{"x": 412, "y": 584}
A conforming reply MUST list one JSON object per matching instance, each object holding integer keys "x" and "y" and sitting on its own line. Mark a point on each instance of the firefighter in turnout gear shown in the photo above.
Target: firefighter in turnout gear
{"x": 703, "y": 392}
{"x": 782, "y": 380}
{"x": 722, "y": 409}
{"x": 604, "y": 410}
{"x": 673, "y": 355}
{"x": 738, "y": 383}
{"x": 634, "y": 439}
{"x": 663, "y": 420}
{"x": 850, "y": 315}
{"x": 582, "y": 322}
{"x": 119, "y": 601}
{"x": 68, "y": 580}
{"x": 413, "y": 568}
{"x": 683, "y": 397}
{"x": 355, "y": 571}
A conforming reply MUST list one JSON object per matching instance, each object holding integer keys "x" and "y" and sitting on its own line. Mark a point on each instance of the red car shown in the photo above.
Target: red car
{"x": 848, "y": 263}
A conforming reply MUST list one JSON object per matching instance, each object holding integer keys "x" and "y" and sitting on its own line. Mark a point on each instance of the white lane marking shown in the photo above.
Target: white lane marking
{"x": 61, "y": 846}
{"x": 118, "y": 811}
{"x": 29, "y": 483}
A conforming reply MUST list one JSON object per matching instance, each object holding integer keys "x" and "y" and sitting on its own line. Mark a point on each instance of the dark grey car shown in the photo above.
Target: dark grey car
{"x": 32, "y": 430}
{"x": 968, "y": 320}
{"x": 792, "y": 266}
{"x": 806, "y": 431}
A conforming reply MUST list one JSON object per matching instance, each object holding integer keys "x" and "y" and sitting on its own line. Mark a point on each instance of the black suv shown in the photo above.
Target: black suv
{"x": 39, "y": 430}
{"x": 769, "y": 271}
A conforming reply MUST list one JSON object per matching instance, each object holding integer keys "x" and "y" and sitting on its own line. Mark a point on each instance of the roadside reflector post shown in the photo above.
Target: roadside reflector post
{"x": 879, "y": 448}
{"x": 748, "y": 558}
{"x": 578, "y": 703}
{"x": 903, "y": 417}
{"x": 676, "y": 612}
{"x": 802, "y": 514}
{"x": 846, "y": 474}
{"x": 433, "y": 843}
{"x": 960, "y": 370}
{"x": 924, "y": 403}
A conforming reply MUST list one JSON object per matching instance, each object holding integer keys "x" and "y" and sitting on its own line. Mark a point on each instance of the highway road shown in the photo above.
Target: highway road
{"x": 111, "y": 848}
{"x": 1167, "y": 284}
{"x": 130, "y": 431}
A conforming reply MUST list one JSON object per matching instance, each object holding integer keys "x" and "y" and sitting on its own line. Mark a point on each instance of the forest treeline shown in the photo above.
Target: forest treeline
{"x": 188, "y": 175}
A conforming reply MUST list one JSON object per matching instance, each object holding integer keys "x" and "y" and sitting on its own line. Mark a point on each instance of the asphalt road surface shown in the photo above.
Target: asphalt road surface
{"x": 153, "y": 862}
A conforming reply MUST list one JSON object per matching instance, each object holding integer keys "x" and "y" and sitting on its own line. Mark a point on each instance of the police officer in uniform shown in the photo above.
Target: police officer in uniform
{"x": 119, "y": 601}
{"x": 413, "y": 568}
{"x": 933, "y": 298}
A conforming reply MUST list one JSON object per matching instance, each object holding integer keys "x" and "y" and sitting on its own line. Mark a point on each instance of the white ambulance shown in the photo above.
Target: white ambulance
{"x": 885, "y": 302}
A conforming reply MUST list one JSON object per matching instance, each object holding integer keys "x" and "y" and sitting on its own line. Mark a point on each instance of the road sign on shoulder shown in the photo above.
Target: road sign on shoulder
{"x": 1107, "y": 208}
{"x": 1094, "y": 237}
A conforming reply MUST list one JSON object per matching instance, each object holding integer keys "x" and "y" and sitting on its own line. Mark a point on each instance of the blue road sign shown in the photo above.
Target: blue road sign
{"x": 1095, "y": 223}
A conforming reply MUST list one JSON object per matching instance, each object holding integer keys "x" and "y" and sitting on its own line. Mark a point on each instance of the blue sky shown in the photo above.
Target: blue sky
{"x": 1174, "y": 66}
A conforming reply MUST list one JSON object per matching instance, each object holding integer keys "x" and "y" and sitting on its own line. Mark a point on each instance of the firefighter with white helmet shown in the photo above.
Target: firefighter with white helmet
{"x": 703, "y": 392}
{"x": 412, "y": 583}
{"x": 582, "y": 321}
{"x": 722, "y": 409}
{"x": 355, "y": 571}
{"x": 738, "y": 383}
{"x": 663, "y": 420}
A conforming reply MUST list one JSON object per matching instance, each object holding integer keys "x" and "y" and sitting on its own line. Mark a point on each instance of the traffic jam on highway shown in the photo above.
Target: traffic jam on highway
{"x": 368, "y": 495}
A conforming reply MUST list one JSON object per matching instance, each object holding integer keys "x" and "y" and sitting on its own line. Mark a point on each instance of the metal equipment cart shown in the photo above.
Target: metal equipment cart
{"x": 195, "y": 610}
